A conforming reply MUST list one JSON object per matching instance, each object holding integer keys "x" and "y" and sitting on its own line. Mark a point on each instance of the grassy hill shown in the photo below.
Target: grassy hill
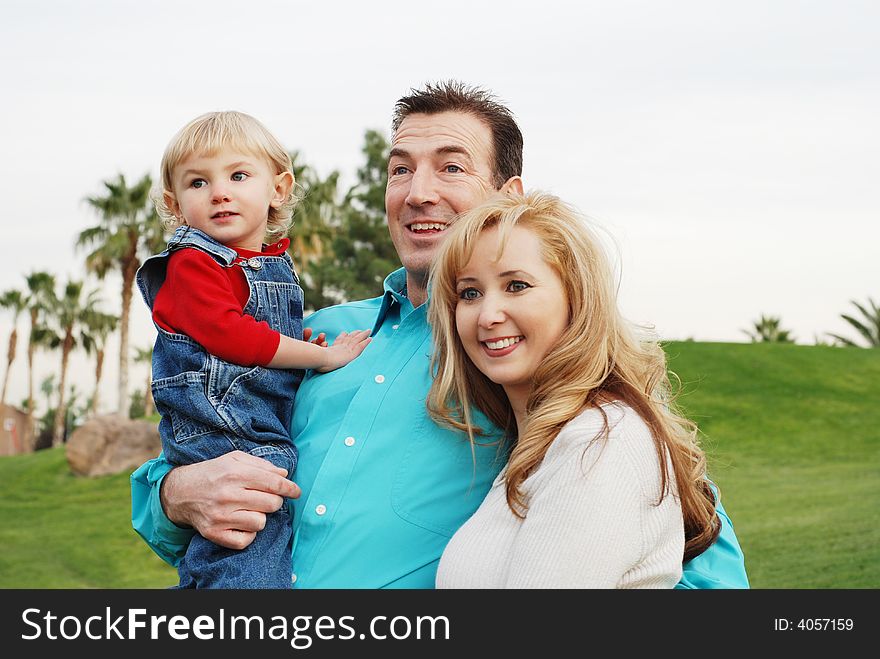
{"x": 58, "y": 530}
{"x": 793, "y": 434}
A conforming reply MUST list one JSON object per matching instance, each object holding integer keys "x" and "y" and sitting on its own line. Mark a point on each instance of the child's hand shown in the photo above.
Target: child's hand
{"x": 345, "y": 348}
{"x": 320, "y": 340}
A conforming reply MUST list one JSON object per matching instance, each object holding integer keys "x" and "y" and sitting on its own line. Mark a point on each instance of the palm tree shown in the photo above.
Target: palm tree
{"x": 16, "y": 302}
{"x": 311, "y": 232}
{"x": 40, "y": 292}
{"x": 73, "y": 412}
{"x": 99, "y": 326}
{"x": 767, "y": 330}
{"x": 129, "y": 230}
{"x": 66, "y": 327}
{"x": 47, "y": 386}
{"x": 141, "y": 356}
{"x": 869, "y": 328}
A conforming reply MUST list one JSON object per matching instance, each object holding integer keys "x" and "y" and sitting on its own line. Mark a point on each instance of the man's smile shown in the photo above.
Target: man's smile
{"x": 427, "y": 227}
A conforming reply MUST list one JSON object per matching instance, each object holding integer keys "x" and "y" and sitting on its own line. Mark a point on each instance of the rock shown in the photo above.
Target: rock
{"x": 110, "y": 444}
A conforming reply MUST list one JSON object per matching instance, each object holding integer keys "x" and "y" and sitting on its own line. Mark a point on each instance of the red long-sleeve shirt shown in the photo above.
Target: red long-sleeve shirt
{"x": 205, "y": 301}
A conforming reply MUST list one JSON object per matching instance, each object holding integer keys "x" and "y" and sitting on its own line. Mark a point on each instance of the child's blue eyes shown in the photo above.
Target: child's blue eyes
{"x": 199, "y": 183}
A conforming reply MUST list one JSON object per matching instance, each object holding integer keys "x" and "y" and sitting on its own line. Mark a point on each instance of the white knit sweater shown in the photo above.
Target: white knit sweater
{"x": 592, "y": 521}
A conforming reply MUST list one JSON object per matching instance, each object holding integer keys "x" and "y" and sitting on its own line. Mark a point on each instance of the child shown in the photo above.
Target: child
{"x": 228, "y": 311}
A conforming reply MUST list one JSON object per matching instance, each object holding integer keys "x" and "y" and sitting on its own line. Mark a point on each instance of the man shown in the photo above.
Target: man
{"x": 382, "y": 488}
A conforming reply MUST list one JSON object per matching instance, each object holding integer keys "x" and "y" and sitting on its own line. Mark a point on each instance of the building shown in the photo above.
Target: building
{"x": 15, "y": 433}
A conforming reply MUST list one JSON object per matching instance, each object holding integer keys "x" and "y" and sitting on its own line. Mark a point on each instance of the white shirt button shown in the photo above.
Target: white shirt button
{"x": 349, "y": 441}
{"x": 380, "y": 379}
{"x": 292, "y": 578}
{"x": 395, "y": 326}
{"x": 321, "y": 509}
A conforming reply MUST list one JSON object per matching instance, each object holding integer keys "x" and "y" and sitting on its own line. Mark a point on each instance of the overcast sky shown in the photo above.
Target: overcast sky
{"x": 730, "y": 149}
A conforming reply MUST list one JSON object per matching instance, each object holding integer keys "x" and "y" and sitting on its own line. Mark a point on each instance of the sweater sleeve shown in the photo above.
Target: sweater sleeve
{"x": 593, "y": 523}
{"x": 196, "y": 300}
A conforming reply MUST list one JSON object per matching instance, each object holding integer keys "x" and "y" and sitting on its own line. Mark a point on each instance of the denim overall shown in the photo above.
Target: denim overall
{"x": 210, "y": 407}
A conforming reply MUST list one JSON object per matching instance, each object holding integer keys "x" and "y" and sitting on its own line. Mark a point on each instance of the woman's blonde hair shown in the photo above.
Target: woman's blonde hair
{"x": 206, "y": 135}
{"x": 598, "y": 359}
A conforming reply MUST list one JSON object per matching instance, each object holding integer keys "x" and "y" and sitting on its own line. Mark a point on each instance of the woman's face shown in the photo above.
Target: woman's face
{"x": 510, "y": 312}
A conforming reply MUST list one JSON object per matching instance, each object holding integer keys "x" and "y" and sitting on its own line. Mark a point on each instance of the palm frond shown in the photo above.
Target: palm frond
{"x": 45, "y": 337}
{"x": 14, "y": 300}
{"x": 868, "y": 328}
{"x": 860, "y": 327}
{"x": 842, "y": 340}
{"x": 92, "y": 236}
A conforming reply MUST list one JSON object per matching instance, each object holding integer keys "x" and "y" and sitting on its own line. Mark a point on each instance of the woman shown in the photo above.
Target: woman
{"x": 605, "y": 485}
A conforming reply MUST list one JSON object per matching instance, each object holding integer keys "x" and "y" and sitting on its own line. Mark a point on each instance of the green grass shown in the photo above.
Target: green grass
{"x": 793, "y": 435}
{"x": 58, "y": 530}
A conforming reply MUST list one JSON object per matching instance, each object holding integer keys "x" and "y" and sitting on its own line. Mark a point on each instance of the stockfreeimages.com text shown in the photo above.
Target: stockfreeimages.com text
{"x": 300, "y": 631}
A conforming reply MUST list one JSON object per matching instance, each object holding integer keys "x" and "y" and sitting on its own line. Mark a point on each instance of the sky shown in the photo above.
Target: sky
{"x": 729, "y": 150}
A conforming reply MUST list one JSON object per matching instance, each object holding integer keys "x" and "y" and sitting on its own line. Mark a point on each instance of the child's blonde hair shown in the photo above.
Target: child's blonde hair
{"x": 207, "y": 134}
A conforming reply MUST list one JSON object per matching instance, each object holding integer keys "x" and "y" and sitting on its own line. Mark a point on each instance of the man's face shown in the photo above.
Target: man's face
{"x": 440, "y": 165}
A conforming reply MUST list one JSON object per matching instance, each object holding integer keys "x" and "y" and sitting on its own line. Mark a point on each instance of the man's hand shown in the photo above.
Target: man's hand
{"x": 226, "y": 499}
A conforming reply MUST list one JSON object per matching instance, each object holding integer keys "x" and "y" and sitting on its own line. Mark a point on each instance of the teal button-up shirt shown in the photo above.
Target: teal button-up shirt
{"x": 383, "y": 486}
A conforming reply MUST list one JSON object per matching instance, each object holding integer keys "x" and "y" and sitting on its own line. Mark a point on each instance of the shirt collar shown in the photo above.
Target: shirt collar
{"x": 272, "y": 249}
{"x": 395, "y": 291}
{"x": 395, "y": 285}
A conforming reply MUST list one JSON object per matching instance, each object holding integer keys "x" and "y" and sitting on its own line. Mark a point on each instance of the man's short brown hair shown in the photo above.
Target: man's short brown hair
{"x": 455, "y": 96}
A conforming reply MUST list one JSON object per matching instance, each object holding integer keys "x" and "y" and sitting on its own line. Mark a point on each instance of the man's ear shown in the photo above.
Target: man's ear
{"x": 283, "y": 184}
{"x": 513, "y": 185}
{"x": 171, "y": 204}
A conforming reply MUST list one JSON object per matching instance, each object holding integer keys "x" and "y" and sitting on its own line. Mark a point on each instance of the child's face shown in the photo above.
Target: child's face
{"x": 228, "y": 196}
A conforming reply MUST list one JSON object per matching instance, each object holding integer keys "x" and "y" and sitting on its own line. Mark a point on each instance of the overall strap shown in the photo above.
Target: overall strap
{"x": 186, "y": 236}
